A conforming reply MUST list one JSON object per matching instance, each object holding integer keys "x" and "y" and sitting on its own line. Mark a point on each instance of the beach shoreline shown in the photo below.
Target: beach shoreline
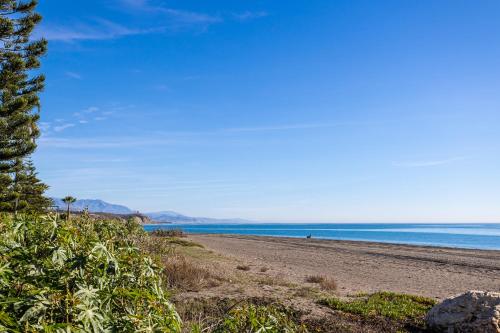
{"x": 361, "y": 266}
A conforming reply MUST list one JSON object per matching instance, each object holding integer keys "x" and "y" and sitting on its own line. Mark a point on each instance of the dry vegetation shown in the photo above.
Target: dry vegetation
{"x": 315, "y": 278}
{"x": 183, "y": 274}
{"x": 215, "y": 294}
{"x": 243, "y": 268}
{"x": 326, "y": 283}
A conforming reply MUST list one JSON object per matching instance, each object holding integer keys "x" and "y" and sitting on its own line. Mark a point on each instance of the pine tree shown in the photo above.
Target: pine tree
{"x": 29, "y": 190}
{"x": 5, "y": 195}
{"x": 19, "y": 101}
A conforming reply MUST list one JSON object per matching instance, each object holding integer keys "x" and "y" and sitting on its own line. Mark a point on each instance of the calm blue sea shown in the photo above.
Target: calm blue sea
{"x": 477, "y": 236}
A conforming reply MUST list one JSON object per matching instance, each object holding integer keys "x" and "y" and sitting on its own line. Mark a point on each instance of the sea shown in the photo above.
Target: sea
{"x": 466, "y": 235}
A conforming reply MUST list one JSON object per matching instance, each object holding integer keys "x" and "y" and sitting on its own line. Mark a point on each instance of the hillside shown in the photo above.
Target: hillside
{"x": 94, "y": 206}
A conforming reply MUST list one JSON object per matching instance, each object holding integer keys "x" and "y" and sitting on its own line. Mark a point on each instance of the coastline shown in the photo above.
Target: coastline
{"x": 361, "y": 266}
{"x": 348, "y": 241}
{"x": 466, "y": 236}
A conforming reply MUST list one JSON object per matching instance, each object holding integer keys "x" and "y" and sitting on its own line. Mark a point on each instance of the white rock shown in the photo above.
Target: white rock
{"x": 472, "y": 312}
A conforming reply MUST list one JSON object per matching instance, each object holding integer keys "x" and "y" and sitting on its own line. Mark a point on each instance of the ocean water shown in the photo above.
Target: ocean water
{"x": 472, "y": 235}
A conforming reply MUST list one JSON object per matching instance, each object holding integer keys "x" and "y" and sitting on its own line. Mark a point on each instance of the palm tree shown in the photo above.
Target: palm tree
{"x": 68, "y": 201}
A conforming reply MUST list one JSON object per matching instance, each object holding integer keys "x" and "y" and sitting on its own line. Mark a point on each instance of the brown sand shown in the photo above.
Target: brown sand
{"x": 365, "y": 266}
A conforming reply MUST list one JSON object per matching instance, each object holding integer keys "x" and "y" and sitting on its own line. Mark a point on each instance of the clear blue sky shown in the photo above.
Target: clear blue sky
{"x": 276, "y": 110}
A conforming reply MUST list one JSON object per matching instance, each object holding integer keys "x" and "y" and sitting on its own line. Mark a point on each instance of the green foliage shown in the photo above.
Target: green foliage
{"x": 68, "y": 200}
{"x": 79, "y": 276}
{"x": 395, "y": 306}
{"x": 27, "y": 191}
{"x": 33, "y": 190}
{"x": 168, "y": 233}
{"x": 19, "y": 89}
{"x": 257, "y": 319}
{"x": 182, "y": 242}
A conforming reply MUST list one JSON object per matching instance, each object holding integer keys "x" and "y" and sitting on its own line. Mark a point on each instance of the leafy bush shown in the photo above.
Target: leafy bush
{"x": 168, "y": 233}
{"x": 183, "y": 242}
{"x": 255, "y": 319}
{"x": 79, "y": 276}
{"x": 395, "y": 306}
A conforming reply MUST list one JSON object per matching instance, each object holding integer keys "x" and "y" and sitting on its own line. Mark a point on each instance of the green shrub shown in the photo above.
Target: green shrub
{"x": 79, "y": 276}
{"x": 168, "y": 233}
{"x": 256, "y": 319}
{"x": 399, "y": 307}
{"x": 183, "y": 242}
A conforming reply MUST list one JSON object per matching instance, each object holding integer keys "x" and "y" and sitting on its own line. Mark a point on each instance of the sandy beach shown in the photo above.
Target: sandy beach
{"x": 364, "y": 266}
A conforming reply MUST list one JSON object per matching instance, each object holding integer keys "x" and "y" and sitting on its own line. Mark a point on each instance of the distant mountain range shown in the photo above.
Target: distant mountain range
{"x": 99, "y": 206}
{"x": 173, "y": 217}
{"x": 94, "y": 206}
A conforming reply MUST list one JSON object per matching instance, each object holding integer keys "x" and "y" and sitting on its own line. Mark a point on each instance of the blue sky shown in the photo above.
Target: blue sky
{"x": 275, "y": 110}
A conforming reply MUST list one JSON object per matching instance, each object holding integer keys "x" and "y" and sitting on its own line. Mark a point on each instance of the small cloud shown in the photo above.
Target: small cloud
{"x": 249, "y": 15}
{"x": 91, "y": 109}
{"x": 73, "y": 75}
{"x": 176, "y": 16}
{"x": 104, "y": 143}
{"x": 187, "y": 17}
{"x": 83, "y": 121}
{"x": 59, "y": 120}
{"x": 100, "y": 118}
{"x": 428, "y": 163}
{"x": 63, "y": 127}
{"x": 135, "y": 3}
{"x": 101, "y": 29}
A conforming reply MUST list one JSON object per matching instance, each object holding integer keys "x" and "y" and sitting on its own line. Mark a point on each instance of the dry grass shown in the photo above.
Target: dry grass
{"x": 220, "y": 314}
{"x": 273, "y": 281}
{"x": 201, "y": 315}
{"x": 243, "y": 267}
{"x": 324, "y": 282}
{"x": 182, "y": 274}
{"x": 268, "y": 281}
{"x": 328, "y": 284}
{"x": 264, "y": 269}
{"x": 305, "y": 292}
{"x": 156, "y": 247}
{"x": 315, "y": 278}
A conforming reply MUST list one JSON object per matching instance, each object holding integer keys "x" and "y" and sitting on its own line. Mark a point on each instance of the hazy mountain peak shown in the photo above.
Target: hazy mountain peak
{"x": 94, "y": 206}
